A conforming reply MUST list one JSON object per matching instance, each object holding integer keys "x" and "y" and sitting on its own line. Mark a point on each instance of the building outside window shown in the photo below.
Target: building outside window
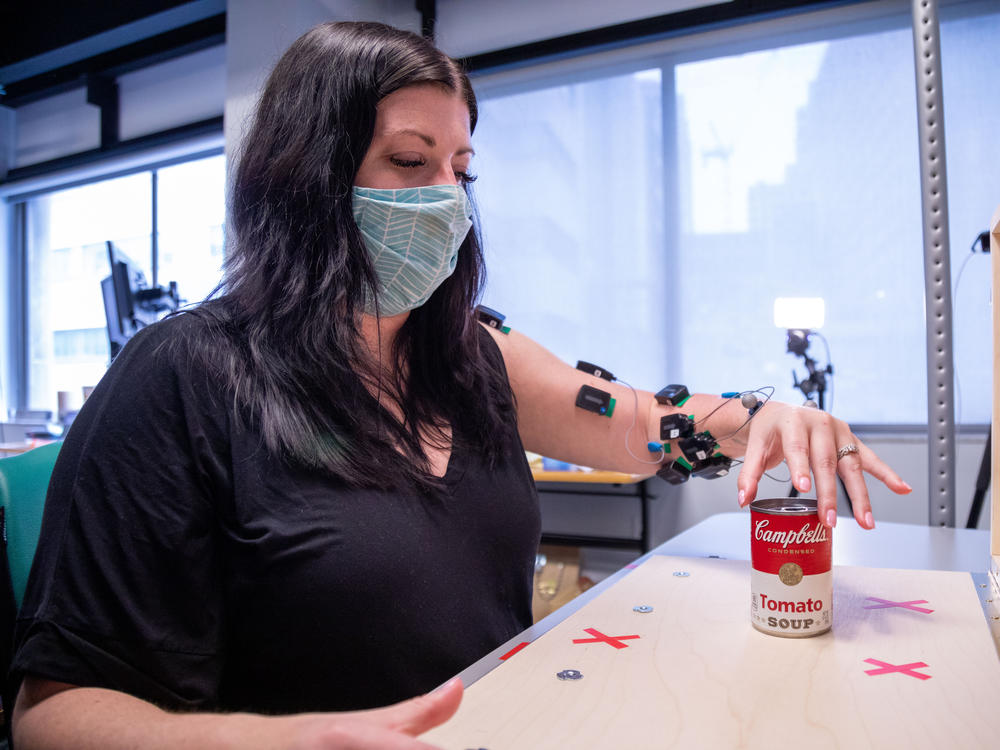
{"x": 67, "y": 230}
{"x": 648, "y": 219}
{"x": 571, "y": 194}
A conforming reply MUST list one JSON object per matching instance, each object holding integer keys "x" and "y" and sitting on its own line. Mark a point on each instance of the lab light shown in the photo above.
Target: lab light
{"x": 802, "y": 313}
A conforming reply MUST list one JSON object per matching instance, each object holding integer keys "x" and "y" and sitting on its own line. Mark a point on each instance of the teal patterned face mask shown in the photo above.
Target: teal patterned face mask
{"x": 413, "y": 235}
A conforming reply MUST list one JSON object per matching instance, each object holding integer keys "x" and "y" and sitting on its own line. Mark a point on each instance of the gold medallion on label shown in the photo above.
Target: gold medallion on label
{"x": 790, "y": 574}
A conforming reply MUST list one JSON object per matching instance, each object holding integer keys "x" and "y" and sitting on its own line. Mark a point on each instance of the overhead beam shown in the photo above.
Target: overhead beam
{"x": 102, "y": 92}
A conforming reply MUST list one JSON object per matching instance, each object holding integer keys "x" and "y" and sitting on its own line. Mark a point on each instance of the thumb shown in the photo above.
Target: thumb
{"x": 417, "y": 715}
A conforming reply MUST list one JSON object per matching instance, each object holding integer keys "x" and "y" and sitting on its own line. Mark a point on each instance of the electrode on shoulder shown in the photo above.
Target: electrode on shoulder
{"x": 595, "y": 370}
{"x": 490, "y": 317}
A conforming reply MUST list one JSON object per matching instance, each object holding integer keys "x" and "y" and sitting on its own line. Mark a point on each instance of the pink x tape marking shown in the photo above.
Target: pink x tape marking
{"x": 883, "y": 603}
{"x": 611, "y": 640}
{"x": 885, "y": 668}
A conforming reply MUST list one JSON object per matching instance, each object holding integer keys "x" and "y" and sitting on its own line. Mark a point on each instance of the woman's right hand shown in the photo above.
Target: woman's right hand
{"x": 51, "y": 714}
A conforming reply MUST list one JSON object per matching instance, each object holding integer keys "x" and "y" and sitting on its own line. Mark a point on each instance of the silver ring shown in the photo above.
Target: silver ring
{"x": 848, "y": 450}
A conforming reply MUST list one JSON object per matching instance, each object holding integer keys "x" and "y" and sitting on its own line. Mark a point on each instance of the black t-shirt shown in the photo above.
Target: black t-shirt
{"x": 181, "y": 563}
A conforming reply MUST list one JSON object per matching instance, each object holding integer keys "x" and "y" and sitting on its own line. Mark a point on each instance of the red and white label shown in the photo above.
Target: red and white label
{"x": 799, "y": 539}
{"x": 791, "y": 581}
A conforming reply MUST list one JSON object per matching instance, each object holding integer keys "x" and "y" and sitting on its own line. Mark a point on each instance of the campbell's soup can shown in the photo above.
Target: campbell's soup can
{"x": 791, "y": 561}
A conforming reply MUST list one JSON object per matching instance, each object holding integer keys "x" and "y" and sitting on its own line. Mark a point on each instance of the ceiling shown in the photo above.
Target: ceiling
{"x": 31, "y": 28}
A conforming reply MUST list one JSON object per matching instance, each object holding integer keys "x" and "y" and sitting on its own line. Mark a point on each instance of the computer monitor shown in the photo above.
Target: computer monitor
{"x": 129, "y": 303}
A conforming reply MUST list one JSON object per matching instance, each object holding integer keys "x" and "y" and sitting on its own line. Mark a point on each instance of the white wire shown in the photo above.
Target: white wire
{"x": 766, "y": 391}
{"x": 628, "y": 434}
{"x": 738, "y": 461}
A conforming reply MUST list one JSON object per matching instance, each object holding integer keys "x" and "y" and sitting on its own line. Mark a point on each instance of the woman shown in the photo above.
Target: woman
{"x": 309, "y": 495}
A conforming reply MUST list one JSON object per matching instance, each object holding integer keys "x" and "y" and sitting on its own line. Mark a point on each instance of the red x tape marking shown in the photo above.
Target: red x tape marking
{"x": 885, "y": 668}
{"x": 883, "y": 603}
{"x": 514, "y": 650}
{"x": 611, "y": 640}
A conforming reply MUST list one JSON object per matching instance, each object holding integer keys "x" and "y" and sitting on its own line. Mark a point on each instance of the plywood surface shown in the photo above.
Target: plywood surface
{"x": 698, "y": 675}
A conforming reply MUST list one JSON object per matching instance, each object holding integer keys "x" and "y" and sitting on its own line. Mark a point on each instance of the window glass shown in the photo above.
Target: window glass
{"x": 798, "y": 177}
{"x": 191, "y": 199}
{"x": 787, "y": 172}
{"x": 970, "y": 57}
{"x": 812, "y": 190}
{"x": 67, "y": 259}
{"x": 571, "y": 197}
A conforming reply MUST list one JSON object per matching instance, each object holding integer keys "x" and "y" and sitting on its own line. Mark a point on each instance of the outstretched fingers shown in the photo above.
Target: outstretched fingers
{"x": 767, "y": 448}
{"x": 823, "y": 459}
{"x": 879, "y": 469}
{"x": 752, "y": 470}
{"x": 814, "y": 443}
{"x": 850, "y": 467}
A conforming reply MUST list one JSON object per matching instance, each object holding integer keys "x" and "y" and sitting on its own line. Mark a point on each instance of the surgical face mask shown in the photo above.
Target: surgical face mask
{"x": 413, "y": 235}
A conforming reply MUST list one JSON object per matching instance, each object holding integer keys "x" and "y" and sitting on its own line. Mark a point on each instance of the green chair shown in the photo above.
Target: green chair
{"x": 24, "y": 480}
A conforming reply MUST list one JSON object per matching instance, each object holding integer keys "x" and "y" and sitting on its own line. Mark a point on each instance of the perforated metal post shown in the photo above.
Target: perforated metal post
{"x": 937, "y": 268}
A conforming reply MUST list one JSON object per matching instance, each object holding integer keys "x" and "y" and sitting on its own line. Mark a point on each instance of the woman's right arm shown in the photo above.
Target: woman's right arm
{"x": 52, "y": 715}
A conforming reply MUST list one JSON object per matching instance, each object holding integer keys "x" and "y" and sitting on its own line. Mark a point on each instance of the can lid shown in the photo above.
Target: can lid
{"x": 795, "y": 506}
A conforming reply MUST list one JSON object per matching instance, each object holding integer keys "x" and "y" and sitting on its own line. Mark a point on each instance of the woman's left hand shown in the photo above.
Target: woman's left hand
{"x": 807, "y": 438}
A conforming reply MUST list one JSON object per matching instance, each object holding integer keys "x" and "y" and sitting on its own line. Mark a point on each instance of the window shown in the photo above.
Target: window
{"x": 191, "y": 212}
{"x": 571, "y": 196}
{"x": 801, "y": 196}
{"x": 971, "y": 59}
{"x": 647, "y": 220}
{"x": 67, "y": 343}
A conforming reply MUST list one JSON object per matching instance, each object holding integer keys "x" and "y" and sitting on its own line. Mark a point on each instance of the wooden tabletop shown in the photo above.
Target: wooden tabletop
{"x": 10, "y": 449}
{"x": 704, "y": 678}
{"x": 687, "y": 670}
{"x": 597, "y": 477}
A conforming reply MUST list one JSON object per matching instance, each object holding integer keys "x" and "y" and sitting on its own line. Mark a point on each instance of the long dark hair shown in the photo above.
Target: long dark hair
{"x": 285, "y": 328}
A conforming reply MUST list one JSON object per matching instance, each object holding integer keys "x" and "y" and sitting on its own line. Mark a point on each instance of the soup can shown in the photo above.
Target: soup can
{"x": 791, "y": 575}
